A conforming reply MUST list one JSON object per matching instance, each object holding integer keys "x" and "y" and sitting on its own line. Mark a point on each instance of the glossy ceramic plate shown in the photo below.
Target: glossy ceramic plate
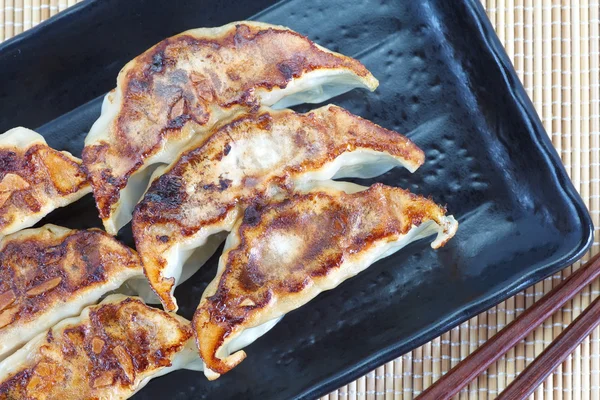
{"x": 445, "y": 82}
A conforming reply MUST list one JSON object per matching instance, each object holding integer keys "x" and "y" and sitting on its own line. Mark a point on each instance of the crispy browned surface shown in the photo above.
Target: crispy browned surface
{"x": 243, "y": 162}
{"x": 192, "y": 81}
{"x": 43, "y": 270}
{"x": 286, "y": 249}
{"x": 103, "y": 356}
{"x": 33, "y": 177}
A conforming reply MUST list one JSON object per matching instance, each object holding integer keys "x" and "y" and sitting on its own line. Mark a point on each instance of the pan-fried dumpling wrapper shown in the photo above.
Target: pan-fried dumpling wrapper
{"x": 179, "y": 89}
{"x": 110, "y": 351}
{"x": 35, "y": 179}
{"x": 51, "y": 273}
{"x": 254, "y": 157}
{"x": 281, "y": 255}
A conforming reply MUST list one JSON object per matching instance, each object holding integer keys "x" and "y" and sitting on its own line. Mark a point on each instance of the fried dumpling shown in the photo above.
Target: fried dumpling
{"x": 35, "y": 179}
{"x": 252, "y": 158}
{"x": 177, "y": 90}
{"x": 283, "y": 254}
{"x": 51, "y": 273}
{"x": 109, "y": 352}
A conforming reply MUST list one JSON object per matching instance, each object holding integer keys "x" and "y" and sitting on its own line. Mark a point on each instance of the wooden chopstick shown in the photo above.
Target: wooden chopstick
{"x": 478, "y": 361}
{"x": 554, "y": 355}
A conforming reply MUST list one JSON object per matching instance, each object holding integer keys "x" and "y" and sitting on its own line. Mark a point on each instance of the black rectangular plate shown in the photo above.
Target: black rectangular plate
{"x": 445, "y": 82}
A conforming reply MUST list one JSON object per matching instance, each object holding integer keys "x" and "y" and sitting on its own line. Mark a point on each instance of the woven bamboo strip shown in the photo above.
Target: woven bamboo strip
{"x": 542, "y": 40}
{"x": 427, "y": 370}
{"x": 580, "y": 378}
{"x": 551, "y": 116}
{"x": 571, "y": 368}
{"x": 501, "y": 369}
{"x": 482, "y": 381}
{"x": 27, "y": 15}
{"x": 418, "y": 370}
{"x": 584, "y": 186}
{"x": 407, "y": 381}
{"x": 352, "y": 390}
{"x": 44, "y": 10}
{"x": 492, "y": 372}
{"x": 542, "y": 60}
{"x": 2, "y": 19}
{"x": 544, "y": 335}
{"x": 9, "y": 6}
{"x": 370, "y": 386}
{"x": 518, "y": 30}
{"x": 544, "y": 49}
{"x": 473, "y": 344}
{"x": 436, "y": 359}
{"x": 379, "y": 389}
{"x": 594, "y": 126}
{"x": 594, "y": 110}
{"x": 388, "y": 381}
{"x": 361, "y": 388}
{"x": 35, "y": 13}
{"x": 398, "y": 383}
{"x": 463, "y": 352}
{"x": 18, "y": 17}
{"x": 538, "y": 345}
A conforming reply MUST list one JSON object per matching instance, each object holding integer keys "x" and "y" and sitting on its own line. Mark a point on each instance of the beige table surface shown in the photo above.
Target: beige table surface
{"x": 554, "y": 46}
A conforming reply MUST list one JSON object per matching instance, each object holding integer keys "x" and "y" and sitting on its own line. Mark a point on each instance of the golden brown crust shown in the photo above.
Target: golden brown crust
{"x": 33, "y": 177}
{"x": 190, "y": 81}
{"x": 42, "y": 269}
{"x": 289, "y": 251}
{"x": 243, "y": 162}
{"x": 105, "y": 355}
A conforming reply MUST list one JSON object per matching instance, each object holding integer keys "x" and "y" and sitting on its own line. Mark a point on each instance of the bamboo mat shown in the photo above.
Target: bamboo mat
{"x": 554, "y": 46}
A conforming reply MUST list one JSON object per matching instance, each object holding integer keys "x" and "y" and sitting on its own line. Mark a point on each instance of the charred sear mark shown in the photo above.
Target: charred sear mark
{"x": 158, "y": 62}
{"x": 163, "y": 238}
{"x": 252, "y": 215}
{"x": 14, "y": 387}
{"x": 226, "y": 149}
{"x": 224, "y": 184}
{"x": 25, "y": 201}
{"x": 234, "y": 76}
{"x": 293, "y": 67}
{"x": 138, "y": 86}
{"x": 9, "y": 162}
{"x": 167, "y": 192}
{"x": 265, "y": 122}
{"x": 286, "y": 70}
{"x": 178, "y": 122}
{"x": 242, "y": 35}
{"x": 251, "y": 277}
{"x": 221, "y": 186}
